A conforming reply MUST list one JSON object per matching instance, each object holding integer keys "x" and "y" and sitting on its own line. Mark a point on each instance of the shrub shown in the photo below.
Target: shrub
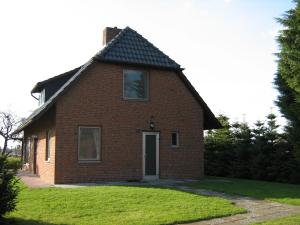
{"x": 8, "y": 187}
{"x": 14, "y": 163}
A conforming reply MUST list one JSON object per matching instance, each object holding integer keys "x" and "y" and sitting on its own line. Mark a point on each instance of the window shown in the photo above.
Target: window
{"x": 42, "y": 97}
{"x": 27, "y": 151}
{"x": 89, "y": 143}
{"x": 48, "y": 145}
{"x": 175, "y": 139}
{"x": 135, "y": 85}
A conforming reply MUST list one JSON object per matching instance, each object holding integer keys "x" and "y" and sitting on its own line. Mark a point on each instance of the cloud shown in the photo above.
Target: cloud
{"x": 227, "y": 1}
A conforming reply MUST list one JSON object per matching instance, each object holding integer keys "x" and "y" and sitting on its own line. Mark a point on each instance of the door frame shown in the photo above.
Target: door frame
{"x": 150, "y": 177}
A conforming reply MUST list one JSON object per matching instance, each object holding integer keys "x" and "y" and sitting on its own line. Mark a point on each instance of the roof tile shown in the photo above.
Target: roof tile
{"x": 130, "y": 47}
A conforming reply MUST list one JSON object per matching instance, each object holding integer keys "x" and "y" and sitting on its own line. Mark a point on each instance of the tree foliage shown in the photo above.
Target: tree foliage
{"x": 8, "y": 124}
{"x": 8, "y": 188}
{"x": 287, "y": 79}
{"x": 260, "y": 152}
{"x": 289, "y": 40}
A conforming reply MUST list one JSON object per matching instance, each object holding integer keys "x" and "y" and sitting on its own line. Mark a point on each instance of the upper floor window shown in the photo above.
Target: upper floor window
{"x": 135, "y": 85}
{"x": 42, "y": 97}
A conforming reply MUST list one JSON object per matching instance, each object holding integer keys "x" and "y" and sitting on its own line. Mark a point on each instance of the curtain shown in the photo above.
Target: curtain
{"x": 96, "y": 137}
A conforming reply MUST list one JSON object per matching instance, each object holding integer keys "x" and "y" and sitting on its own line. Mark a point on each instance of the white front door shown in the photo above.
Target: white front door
{"x": 150, "y": 155}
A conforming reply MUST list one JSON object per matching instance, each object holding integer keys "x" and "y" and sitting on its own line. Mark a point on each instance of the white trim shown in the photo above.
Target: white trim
{"x": 48, "y": 145}
{"x": 42, "y": 97}
{"x": 154, "y": 177}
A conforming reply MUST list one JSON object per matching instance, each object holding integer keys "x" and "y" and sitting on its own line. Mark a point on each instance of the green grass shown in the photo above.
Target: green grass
{"x": 278, "y": 192}
{"x": 115, "y": 205}
{"x": 290, "y": 220}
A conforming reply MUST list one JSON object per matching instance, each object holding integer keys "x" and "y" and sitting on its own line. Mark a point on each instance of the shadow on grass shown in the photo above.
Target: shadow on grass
{"x": 19, "y": 221}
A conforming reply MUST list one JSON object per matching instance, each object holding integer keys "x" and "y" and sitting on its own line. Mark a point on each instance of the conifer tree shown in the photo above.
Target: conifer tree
{"x": 287, "y": 79}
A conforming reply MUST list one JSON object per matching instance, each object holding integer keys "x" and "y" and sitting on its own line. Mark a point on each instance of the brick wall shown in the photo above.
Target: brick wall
{"x": 97, "y": 100}
{"x": 44, "y": 169}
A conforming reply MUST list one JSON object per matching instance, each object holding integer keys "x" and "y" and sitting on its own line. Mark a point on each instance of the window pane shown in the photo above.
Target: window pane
{"x": 27, "y": 151}
{"x": 135, "y": 84}
{"x": 174, "y": 139}
{"x": 89, "y": 143}
{"x": 48, "y": 144}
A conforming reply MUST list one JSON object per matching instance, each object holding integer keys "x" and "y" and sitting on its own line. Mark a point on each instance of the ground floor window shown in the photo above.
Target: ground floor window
{"x": 89, "y": 143}
{"x": 27, "y": 150}
{"x": 48, "y": 145}
{"x": 175, "y": 139}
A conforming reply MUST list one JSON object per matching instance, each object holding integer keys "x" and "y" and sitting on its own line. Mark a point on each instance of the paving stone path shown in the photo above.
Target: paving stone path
{"x": 257, "y": 210}
{"x": 32, "y": 181}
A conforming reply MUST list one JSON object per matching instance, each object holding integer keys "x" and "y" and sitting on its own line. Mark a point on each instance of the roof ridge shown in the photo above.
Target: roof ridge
{"x": 111, "y": 43}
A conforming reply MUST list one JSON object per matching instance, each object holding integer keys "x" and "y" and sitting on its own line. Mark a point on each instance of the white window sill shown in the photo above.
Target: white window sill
{"x": 175, "y": 146}
{"x": 89, "y": 161}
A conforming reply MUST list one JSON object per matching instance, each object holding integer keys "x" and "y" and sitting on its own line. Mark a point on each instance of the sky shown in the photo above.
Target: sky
{"x": 226, "y": 46}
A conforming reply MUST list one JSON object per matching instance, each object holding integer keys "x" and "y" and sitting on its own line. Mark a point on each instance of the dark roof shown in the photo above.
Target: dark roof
{"x": 127, "y": 47}
{"x": 132, "y": 48}
{"x": 36, "y": 114}
{"x": 62, "y": 78}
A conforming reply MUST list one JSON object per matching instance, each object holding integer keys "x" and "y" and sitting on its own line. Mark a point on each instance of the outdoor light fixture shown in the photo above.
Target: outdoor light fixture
{"x": 151, "y": 123}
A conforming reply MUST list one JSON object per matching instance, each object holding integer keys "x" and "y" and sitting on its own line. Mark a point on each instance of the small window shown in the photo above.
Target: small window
{"x": 175, "y": 139}
{"x": 48, "y": 145}
{"x": 42, "y": 97}
{"x": 135, "y": 85}
{"x": 89, "y": 144}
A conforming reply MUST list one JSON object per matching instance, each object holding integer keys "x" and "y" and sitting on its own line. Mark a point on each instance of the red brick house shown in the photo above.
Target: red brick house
{"x": 129, "y": 113}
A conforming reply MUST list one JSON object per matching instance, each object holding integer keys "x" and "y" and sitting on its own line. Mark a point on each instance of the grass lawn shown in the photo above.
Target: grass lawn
{"x": 278, "y": 192}
{"x": 115, "y": 205}
{"x": 290, "y": 220}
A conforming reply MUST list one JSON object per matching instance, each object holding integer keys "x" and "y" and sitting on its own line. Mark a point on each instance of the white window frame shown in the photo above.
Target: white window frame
{"x": 177, "y": 139}
{"x": 42, "y": 97}
{"x": 78, "y": 149}
{"x": 147, "y": 86}
{"x": 150, "y": 177}
{"x": 48, "y": 145}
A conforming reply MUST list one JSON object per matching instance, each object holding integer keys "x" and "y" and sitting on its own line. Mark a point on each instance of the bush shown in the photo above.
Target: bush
{"x": 14, "y": 163}
{"x": 8, "y": 187}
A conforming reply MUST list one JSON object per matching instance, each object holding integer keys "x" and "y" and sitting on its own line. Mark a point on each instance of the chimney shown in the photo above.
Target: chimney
{"x": 109, "y": 33}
